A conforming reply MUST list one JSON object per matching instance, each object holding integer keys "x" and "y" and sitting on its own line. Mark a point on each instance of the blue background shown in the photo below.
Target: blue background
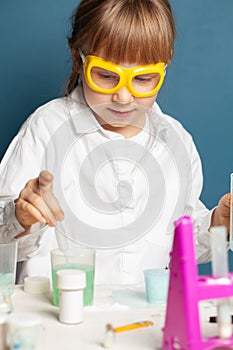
{"x": 35, "y": 63}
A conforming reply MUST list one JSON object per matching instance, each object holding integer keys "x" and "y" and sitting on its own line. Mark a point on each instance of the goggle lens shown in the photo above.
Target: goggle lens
{"x": 104, "y": 79}
{"x": 146, "y": 83}
{"x": 107, "y": 80}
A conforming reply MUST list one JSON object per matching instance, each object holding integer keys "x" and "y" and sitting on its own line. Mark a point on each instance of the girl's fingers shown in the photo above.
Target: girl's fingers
{"x": 38, "y": 203}
{"x": 224, "y": 210}
{"x": 29, "y": 211}
{"x": 32, "y": 208}
{"x": 224, "y": 204}
{"x": 32, "y": 199}
{"x": 45, "y": 179}
{"x": 46, "y": 192}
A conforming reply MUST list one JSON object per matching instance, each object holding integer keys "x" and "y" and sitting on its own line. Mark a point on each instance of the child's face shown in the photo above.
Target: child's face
{"x": 121, "y": 111}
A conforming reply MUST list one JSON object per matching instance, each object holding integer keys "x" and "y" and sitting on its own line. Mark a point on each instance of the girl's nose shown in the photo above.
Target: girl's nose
{"x": 123, "y": 96}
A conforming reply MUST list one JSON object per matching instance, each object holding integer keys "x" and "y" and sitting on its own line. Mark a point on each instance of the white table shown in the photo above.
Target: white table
{"x": 118, "y": 305}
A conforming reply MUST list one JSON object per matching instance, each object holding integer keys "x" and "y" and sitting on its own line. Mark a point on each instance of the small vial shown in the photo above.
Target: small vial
{"x": 109, "y": 338}
{"x": 71, "y": 284}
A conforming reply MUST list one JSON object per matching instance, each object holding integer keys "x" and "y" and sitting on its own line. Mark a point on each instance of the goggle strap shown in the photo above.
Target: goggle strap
{"x": 81, "y": 54}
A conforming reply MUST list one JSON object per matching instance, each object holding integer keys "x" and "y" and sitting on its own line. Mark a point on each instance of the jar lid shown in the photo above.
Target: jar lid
{"x": 36, "y": 284}
{"x": 71, "y": 279}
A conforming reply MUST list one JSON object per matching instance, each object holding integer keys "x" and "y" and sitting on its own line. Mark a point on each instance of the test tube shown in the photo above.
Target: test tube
{"x": 231, "y": 212}
{"x": 220, "y": 269}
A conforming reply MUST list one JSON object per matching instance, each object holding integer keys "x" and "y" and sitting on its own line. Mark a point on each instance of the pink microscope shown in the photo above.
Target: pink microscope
{"x": 182, "y": 329}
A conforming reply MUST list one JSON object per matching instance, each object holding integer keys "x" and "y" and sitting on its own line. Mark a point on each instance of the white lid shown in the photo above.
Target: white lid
{"x": 36, "y": 284}
{"x": 71, "y": 279}
{"x": 22, "y": 319}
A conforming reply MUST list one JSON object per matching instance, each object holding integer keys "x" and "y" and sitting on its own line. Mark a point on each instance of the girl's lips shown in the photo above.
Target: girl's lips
{"x": 121, "y": 114}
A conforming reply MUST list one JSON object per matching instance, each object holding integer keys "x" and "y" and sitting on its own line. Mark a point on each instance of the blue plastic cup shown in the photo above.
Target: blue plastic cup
{"x": 156, "y": 282}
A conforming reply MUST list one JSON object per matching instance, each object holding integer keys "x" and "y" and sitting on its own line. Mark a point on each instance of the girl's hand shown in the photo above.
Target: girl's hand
{"x": 221, "y": 215}
{"x": 37, "y": 203}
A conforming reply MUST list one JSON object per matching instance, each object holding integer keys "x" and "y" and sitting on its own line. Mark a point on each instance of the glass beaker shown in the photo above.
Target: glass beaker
{"x": 8, "y": 259}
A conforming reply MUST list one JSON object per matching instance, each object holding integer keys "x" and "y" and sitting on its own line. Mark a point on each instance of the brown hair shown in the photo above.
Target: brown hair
{"x": 132, "y": 31}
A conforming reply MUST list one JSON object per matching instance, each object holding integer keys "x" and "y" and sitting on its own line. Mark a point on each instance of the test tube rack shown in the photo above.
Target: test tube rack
{"x": 182, "y": 330}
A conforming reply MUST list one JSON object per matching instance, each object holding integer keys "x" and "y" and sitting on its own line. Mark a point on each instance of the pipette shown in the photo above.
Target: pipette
{"x": 220, "y": 270}
{"x": 231, "y": 212}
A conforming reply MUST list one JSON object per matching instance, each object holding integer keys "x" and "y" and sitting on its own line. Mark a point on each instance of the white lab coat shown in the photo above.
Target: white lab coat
{"x": 132, "y": 199}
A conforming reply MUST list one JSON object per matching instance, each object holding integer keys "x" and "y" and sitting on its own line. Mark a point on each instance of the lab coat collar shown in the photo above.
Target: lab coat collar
{"x": 82, "y": 118}
{"x": 159, "y": 125}
{"x": 84, "y": 121}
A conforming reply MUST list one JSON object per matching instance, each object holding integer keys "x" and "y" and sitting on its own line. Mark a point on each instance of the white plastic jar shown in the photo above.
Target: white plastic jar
{"x": 71, "y": 284}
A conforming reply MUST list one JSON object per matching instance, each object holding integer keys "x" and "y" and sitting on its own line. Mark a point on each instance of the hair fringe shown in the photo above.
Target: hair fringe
{"x": 132, "y": 31}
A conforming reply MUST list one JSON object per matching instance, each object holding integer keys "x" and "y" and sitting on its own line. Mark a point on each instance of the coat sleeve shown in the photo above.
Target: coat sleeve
{"x": 17, "y": 167}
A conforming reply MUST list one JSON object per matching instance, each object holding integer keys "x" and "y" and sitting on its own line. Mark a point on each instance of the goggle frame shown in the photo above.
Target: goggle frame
{"x": 126, "y": 75}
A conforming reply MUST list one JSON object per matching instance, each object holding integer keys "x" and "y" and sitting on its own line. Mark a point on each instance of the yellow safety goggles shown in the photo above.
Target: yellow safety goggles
{"x": 107, "y": 77}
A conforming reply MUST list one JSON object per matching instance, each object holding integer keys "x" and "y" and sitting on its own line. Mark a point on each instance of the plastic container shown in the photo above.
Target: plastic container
{"x": 23, "y": 331}
{"x": 156, "y": 281}
{"x": 36, "y": 285}
{"x": 8, "y": 259}
{"x": 71, "y": 284}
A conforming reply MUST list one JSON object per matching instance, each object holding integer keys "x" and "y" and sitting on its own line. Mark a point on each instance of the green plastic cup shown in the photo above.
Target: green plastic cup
{"x": 77, "y": 258}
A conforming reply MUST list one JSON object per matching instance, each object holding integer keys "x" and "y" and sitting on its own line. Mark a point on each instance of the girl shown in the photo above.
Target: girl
{"x": 105, "y": 161}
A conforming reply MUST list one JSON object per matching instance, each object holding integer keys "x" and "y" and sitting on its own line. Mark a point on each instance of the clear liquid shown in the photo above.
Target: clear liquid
{"x": 88, "y": 291}
{"x": 7, "y": 282}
